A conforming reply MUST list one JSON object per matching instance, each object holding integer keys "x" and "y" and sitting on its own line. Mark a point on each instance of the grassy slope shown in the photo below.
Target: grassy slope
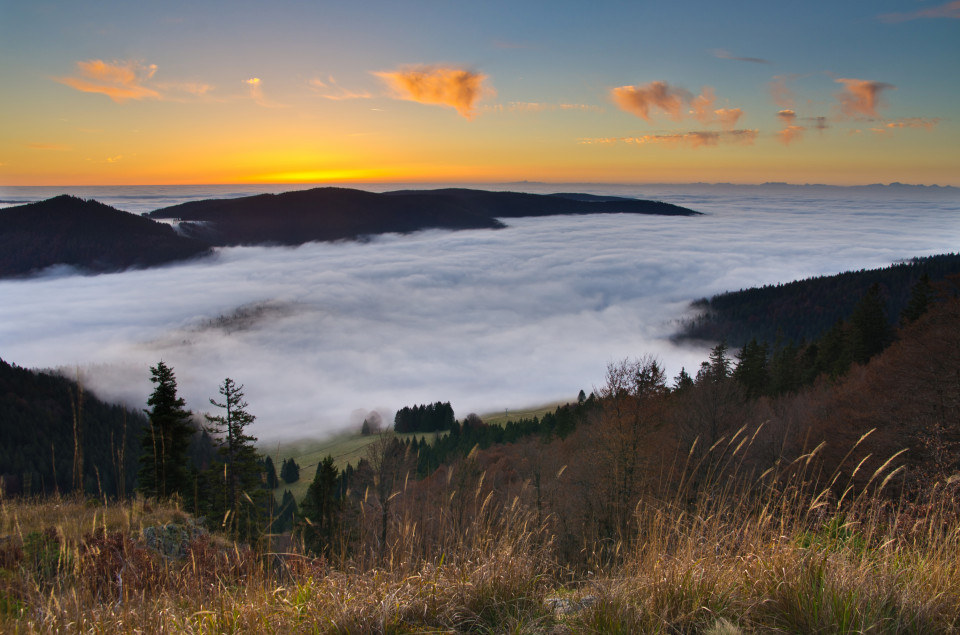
{"x": 348, "y": 447}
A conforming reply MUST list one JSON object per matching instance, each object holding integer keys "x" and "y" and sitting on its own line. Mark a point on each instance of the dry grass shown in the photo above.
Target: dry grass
{"x": 773, "y": 554}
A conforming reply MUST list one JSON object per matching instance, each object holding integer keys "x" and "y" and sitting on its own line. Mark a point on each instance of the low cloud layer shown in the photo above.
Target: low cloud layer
{"x": 485, "y": 319}
{"x": 457, "y": 88}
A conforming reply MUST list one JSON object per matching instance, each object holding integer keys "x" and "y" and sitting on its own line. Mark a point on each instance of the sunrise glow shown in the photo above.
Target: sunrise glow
{"x": 168, "y": 94}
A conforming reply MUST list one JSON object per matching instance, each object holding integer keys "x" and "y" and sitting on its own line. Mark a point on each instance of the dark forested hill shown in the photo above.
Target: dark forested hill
{"x": 322, "y": 214}
{"x": 37, "y": 415}
{"x": 85, "y": 234}
{"x": 804, "y": 309}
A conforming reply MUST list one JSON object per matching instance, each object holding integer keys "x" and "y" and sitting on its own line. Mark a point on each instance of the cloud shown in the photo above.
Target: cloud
{"x": 861, "y": 97}
{"x": 692, "y": 139}
{"x": 256, "y": 90}
{"x": 330, "y": 89}
{"x": 948, "y": 10}
{"x": 117, "y": 80}
{"x": 914, "y": 122}
{"x": 791, "y": 133}
{"x": 458, "y": 88}
{"x": 537, "y": 107}
{"x": 781, "y": 93}
{"x": 787, "y": 116}
{"x": 197, "y": 89}
{"x": 639, "y": 100}
{"x": 727, "y": 55}
{"x": 53, "y": 147}
{"x": 485, "y": 319}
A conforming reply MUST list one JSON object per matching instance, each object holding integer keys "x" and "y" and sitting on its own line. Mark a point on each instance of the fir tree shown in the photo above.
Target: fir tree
{"x": 237, "y": 494}
{"x": 320, "y": 508}
{"x": 163, "y": 460}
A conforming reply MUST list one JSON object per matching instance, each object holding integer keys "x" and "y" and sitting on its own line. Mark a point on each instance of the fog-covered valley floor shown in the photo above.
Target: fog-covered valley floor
{"x": 487, "y": 320}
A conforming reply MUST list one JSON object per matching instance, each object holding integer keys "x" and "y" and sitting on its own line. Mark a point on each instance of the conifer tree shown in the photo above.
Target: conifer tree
{"x": 163, "y": 461}
{"x": 237, "y": 496}
{"x": 320, "y": 508}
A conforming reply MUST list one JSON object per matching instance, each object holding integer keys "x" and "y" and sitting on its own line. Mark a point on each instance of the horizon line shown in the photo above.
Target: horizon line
{"x": 468, "y": 182}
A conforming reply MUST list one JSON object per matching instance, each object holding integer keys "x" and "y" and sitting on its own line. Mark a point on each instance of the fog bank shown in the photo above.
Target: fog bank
{"x": 484, "y": 319}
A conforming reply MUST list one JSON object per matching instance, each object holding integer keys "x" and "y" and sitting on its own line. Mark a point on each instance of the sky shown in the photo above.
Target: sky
{"x": 104, "y": 93}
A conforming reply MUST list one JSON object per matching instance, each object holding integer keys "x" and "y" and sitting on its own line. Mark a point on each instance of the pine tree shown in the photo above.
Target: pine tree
{"x": 163, "y": 461}
{"x": 320, "y": 508}
{"x": 921, "y": 297}
{"x": 271, "y": 482}
{"x": 290, "y": 471}
{"x": 869, "y": 330}
{"x": 237, "y": 494}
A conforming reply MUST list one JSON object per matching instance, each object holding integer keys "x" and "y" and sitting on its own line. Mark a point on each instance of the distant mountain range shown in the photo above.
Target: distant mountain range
{"x": 97, "y": 238}
{"x": 329, "y": 213}
{"x": 91, "y": 236}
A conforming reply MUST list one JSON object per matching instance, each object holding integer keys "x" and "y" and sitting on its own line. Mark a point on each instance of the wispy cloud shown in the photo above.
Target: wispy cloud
{"x": 118, "y": 80}
{"x": 508, "y": 45}
{"x": 781, "y": 93}
{"x": 457, "y": 88}
{"x": 255, "y": 92}
{"x": 861, "y": 97}
{"x": 948, "y": 10}
{"x": 330, "y": 89}
{"x": 914, "y": 122}
{"x": 52, "y": 147}
{"x": 727, "y": 55}
{"x": 790, "y": 134}
{"x": 537, "y": 107}
{"x": 692, "y": 139}
{"x": 701, "y": 107}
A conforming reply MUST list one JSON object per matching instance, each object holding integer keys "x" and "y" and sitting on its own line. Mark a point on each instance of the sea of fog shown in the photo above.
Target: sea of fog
{"x": 323, "y": 333}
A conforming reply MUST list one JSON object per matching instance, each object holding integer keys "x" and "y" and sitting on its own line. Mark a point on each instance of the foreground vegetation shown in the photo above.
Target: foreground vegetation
{"x": 778, "y": 554}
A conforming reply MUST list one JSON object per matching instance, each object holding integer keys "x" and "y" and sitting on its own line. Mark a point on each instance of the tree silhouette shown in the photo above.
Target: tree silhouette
{"x": 163, "y": 459}
{"x": 237, "y": 493}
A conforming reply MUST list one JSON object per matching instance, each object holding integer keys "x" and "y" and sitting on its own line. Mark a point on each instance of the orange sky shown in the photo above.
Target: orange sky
{"x": 227, "y": 93}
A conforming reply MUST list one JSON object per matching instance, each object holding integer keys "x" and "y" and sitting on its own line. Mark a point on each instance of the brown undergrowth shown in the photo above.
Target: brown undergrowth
{"x": 782, "y": 552}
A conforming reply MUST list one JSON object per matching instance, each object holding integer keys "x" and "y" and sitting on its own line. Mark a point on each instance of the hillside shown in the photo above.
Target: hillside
{"x": 803, "y": 310}
{"x": 326, "y": 214}
{"x": 37, "y": 415}
{"x": 89, "y": 235}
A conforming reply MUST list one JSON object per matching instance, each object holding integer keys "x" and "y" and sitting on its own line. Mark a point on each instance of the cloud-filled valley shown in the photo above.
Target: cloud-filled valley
{"x": 485, "y": 319}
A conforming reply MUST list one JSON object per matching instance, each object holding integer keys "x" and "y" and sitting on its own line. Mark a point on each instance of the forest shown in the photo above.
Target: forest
{"x": 815, "y": 466}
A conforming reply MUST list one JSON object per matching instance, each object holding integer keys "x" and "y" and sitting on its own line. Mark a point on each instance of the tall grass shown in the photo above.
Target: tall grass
{"x": 723, "y": 551}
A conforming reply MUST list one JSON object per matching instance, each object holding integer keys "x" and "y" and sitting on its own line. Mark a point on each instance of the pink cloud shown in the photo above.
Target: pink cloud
{"x": 781, "y": 93}
{"x": 119, "y": 81}
{"x": 455, "y": 87}
{"x": 914, "y": 122}
{"x": 787, "y": 116}
{"x": 861, "y": 97}
{"x": 948, "y": 10}
{"x": 791, "y": 133}
{"x": 638, "y": 100}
